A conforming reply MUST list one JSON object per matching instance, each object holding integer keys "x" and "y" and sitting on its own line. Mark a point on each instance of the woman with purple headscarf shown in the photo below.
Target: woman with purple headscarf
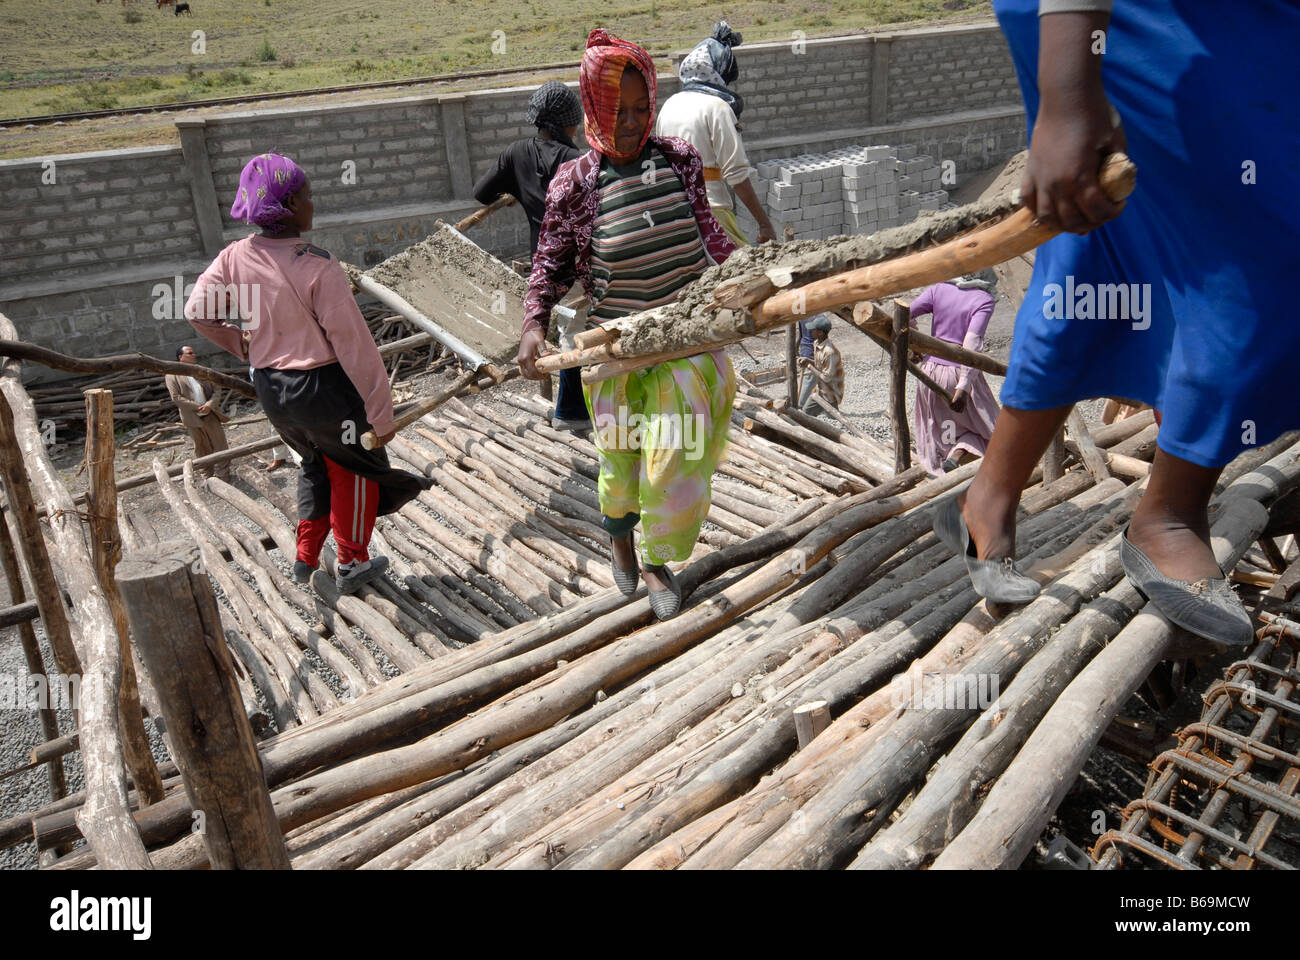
{"x": 286, "y": 306}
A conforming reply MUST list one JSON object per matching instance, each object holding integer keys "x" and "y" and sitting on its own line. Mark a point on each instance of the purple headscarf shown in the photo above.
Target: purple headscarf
{"x": 268, "y": 179}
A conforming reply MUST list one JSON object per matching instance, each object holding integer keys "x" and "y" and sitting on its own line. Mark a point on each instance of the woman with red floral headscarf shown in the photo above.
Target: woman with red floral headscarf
{"x": 630, "y": 220}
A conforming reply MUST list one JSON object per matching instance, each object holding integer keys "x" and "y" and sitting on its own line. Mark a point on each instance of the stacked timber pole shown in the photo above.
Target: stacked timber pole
{"x": 594, "y": 737}
{"x": 1012, "y": 816}
{"x": 106, "y": 550}
{"x": 104, "y": 817}
{"x": 500, "y": 472}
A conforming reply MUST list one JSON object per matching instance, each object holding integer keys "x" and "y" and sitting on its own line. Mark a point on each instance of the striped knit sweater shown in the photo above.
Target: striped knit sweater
{"x": 645, "y": 243}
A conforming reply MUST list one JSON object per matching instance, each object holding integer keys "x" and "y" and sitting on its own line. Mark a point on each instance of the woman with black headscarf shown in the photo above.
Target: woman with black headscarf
{"x": 705, "y": 114}
{"x": 524, "y": 171}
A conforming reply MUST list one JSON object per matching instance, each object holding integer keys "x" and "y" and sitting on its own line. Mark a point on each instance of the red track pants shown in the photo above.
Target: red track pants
{"x": 354, "y": 502}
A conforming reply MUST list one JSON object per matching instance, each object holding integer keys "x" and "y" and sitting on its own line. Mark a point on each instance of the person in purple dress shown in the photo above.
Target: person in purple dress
{"x": 946, "y": 434}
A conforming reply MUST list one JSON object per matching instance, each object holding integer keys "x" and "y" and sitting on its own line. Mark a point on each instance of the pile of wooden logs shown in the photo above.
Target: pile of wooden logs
{"x": 498, "y": 703}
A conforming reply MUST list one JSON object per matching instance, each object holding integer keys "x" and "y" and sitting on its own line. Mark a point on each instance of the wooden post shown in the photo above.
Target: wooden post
{"x": 174, "y": 618}
{"x": 49, "y": 599}
{"x": 32, "y": 651}
{"x": 811, "y": 719}
{"x": 898, "y": 388}
{"x": 791, "y": 345}
{"x": 105, "y": 550}
{"x": 1054, "y": 458}
{"x": 792, "y": 365}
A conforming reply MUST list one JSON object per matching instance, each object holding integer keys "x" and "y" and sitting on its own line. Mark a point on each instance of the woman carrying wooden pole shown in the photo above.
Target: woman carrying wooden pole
{"x": 524, "y": 171}
{"x": 949, "y": 434}
{"x": 631, "y": 220}
{"x": 1172, "y": 304}
{"x": 317, "y": 371}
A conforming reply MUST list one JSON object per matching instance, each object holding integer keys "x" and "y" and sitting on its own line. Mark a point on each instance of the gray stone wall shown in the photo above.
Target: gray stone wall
{"x": 83, "y": 213}
{"x": 927, "y": 74}
{"x": 395, "y": 149}
{"x": 83, "y": 259}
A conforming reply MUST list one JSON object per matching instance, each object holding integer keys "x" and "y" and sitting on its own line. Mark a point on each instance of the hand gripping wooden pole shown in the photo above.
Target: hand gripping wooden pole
{"x": 471, "y": 382}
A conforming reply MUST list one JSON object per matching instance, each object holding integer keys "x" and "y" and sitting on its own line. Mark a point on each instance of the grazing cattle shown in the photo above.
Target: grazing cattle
{"x": 183, "y": 8}
{"x": 163, "y": 3}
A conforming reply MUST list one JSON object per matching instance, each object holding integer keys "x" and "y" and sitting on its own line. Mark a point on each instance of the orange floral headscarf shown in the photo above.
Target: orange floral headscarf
{"x": 602, "y": 72}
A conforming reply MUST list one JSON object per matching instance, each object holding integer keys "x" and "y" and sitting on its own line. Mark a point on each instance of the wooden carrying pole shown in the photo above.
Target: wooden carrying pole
{"x": 469, "y": 383}
{"x": 177, "y": 628}
{"x": 898, "y": 389}
{"x": 1015, "y": 234}
{"x": 478, "y": 216}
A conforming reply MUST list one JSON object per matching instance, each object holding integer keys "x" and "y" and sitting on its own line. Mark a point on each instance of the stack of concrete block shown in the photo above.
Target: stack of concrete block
{"x": 804, "y": 193}
{"x": 857, "y": 189}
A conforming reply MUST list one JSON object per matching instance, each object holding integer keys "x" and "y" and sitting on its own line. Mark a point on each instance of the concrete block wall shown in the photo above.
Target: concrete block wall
{"x": 791, "y": 89}
{"x": 358, "y": 156}
{"x": 930, "y": 72}
{"x": 494, "y": 119}
{"x": 80, "y": 260}
{"x": 102, "y": 211}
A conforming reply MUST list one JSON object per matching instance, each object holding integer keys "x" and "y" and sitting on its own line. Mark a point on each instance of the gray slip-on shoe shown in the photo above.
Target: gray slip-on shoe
{"x": 627, "y": 581}
{"x": 997, "y": 580}
{"x": 350, "y": 579}
{"x": 1207, "y": 607}
{"x": 581, "y": 427}
{"x": 666, "y": 603}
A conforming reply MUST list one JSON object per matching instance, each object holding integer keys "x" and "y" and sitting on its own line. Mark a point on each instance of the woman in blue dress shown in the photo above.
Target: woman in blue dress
{"x": 1180, "y": 301}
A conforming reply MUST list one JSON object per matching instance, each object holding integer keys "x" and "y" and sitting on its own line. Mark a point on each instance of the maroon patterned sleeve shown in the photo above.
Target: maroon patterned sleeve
{"x": 554, "y": 267}
{"x": 686, "y": 162}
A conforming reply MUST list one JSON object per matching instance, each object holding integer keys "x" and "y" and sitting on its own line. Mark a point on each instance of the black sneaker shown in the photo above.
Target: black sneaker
{"x": 302, "y": 571}
{"x": 353, "y": 575}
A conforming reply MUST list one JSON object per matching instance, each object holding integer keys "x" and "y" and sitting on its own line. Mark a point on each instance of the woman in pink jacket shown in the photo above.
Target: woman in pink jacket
{"x": 316, "y": 368}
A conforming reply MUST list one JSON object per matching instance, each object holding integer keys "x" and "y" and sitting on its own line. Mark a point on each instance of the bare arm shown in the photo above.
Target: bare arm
{"x": 749, "y": 197}
{"x": 1076, "y": 125}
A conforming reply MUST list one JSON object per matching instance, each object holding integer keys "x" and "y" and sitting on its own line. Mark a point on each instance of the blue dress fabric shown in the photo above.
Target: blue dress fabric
{"x": 1206, "y": 93}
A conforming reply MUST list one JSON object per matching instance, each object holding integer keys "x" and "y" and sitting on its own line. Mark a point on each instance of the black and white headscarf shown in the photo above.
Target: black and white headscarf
{"x": 553, "y": 107}
{"x": 711, "y": 66}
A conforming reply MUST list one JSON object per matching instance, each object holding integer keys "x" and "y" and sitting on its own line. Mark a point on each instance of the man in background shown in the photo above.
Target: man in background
{"x": 825, "y": 369}
{"x": 199, "y": 403}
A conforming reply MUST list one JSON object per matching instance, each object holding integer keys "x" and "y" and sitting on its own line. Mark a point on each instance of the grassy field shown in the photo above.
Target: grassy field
{"x": 90, "y": 55}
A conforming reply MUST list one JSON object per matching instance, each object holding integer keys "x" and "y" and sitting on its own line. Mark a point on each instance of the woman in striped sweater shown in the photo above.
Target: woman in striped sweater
{"x": 630, "y": 220}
